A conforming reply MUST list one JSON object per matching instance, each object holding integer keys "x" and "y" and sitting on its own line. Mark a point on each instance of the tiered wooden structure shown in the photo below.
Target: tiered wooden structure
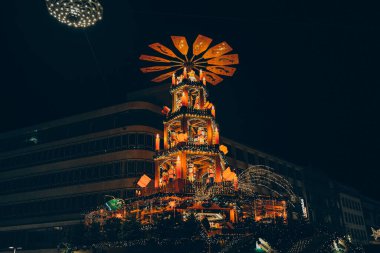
{"x": 191, "y": 151}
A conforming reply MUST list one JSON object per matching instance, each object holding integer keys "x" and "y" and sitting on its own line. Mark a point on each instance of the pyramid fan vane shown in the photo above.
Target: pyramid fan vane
{"x": 213, "y": 61}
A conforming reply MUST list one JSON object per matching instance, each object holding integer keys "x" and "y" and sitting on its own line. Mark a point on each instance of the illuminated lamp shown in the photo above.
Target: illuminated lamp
{"x": 228, "y": 175}
{"x": 232, "y": 215}
{"x": 223, "y": 149}
{"x": 184, "y": 72}
{"x": 165, "y": 110}
{"x": 200, "y": 75}
{"x": 204, "y": 80}
{"x": 144, "y": 181}
{"x": 213, "y": 111}
{"x": 157, "y": 142}
{"x": 208, "y": 105}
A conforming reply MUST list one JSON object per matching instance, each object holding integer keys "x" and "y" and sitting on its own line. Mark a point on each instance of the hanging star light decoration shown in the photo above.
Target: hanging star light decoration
{"x": 212, "y": 61}
{"x": 76, "y": 13}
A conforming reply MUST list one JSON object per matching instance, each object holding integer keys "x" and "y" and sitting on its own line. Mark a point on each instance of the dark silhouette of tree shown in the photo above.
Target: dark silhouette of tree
{"x": 112, "y": 229}
{"x": 75, "y": 234}
{"x": 130, "y": 229}
{"x": 93, "y": 234}
{"x": 189, "y": 228}
{"x": 206, "y": 224}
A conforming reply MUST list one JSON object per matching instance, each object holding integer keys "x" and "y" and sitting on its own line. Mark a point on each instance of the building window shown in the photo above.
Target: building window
{"x": 131, "y": 141}
{"x": 91, "y": 173}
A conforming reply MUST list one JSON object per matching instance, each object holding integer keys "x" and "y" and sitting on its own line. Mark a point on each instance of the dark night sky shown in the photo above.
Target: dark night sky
{"x": 306, "y": 90}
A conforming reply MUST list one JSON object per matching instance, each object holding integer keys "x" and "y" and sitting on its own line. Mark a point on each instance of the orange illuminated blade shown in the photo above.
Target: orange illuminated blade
{"x": 212, "y": 78}
{"x": 154, "y": 68}
{"x": 163, "y": 77}
{"x": 200, "y": 44}
{"x": 222, "y": 70}
{"x": 180, "y": 43}
{"x": 218, "y": 50}
{"x": 145, "y": 57}
{"x": 162, "y": 49}
{"x": 229, "y": 59}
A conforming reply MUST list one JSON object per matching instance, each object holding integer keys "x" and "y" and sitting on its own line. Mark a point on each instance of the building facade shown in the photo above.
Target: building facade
{"x": 52, "y": 173}
{"x": 353, "y": 218}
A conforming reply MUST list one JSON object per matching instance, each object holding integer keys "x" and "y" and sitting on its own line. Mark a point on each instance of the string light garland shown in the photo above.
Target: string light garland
{"x": 261, "y": 175}
{"x": 76, "y": 13}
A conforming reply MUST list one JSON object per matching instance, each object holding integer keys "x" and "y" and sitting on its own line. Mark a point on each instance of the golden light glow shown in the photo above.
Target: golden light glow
{"x": 224, "y": 149}
{"x": 214, "y": 59}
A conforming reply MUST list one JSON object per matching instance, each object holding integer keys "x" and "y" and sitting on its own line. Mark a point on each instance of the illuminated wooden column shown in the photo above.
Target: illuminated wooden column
{"x": 233, "y": 215}
{"x": 209, "y": 132}
{"x": 178, "y": 166}
{"x": 201, "y": 98}
{"x": 216, "y": 136}
{"x": 218, "y": 170}
{"x": 184, "y": 128}
{"x": 157, "y": 174}
{"x": 174, "y": 104}
{"x": 183, "y": 165}
{"x": 166, "y": 146}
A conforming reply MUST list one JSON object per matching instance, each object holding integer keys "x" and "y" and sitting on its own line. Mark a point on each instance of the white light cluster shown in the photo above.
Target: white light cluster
{"x": 76, "y": 13}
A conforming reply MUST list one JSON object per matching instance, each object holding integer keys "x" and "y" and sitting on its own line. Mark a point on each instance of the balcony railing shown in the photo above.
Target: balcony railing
{"x": 189, "y": 110}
